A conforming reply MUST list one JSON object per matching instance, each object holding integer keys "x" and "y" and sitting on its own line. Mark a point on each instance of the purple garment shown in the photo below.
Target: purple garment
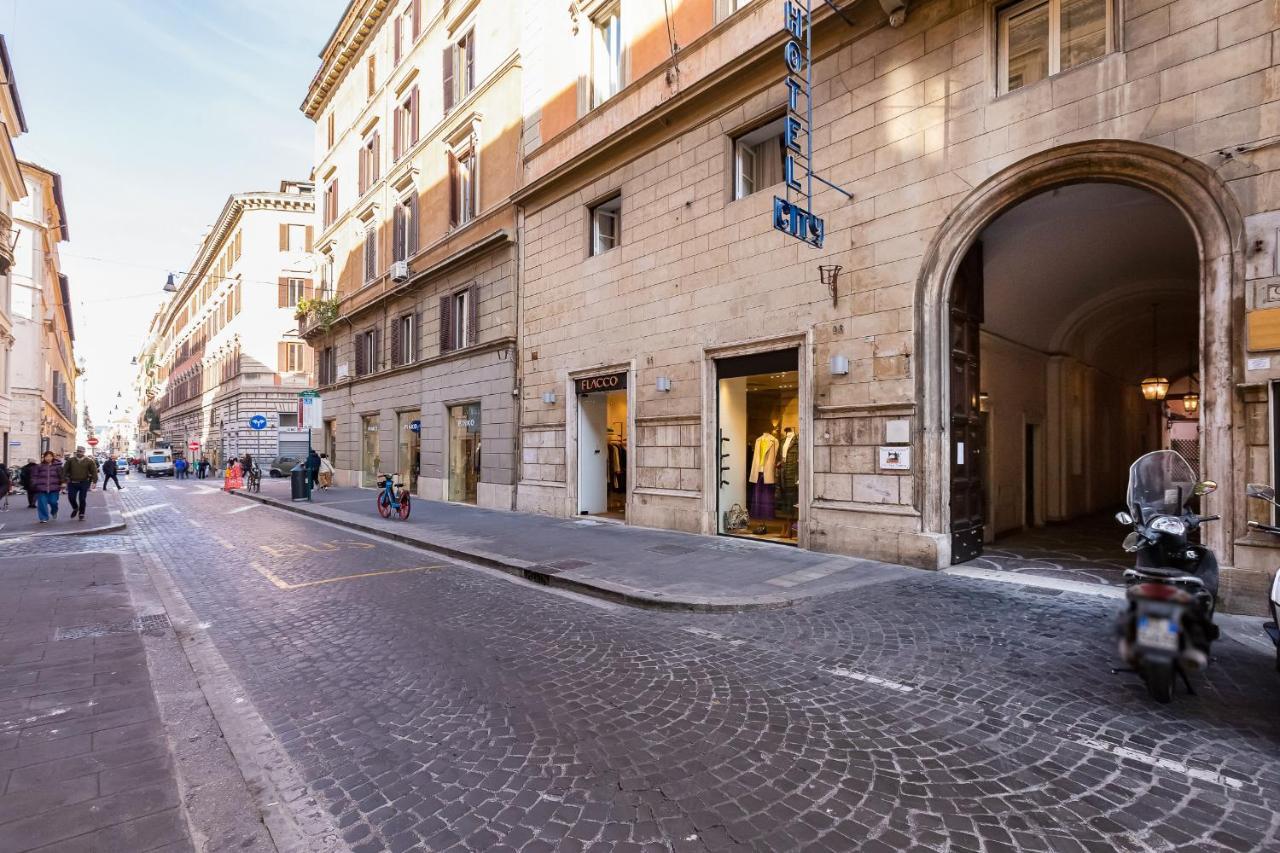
{"x": 47, "y": 478}
{"x": 760, "y": 504}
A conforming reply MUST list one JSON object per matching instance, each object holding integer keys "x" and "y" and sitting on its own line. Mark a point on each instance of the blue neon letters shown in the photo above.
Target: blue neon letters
{"x": 787, "y": 215}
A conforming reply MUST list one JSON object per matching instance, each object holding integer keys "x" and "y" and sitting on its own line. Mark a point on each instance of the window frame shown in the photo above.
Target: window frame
{"x": 1002, "y": 16}
{"x": 295, "y": 291}
{"x": 464, "y": 206}
{"x": 370, "y": 254}
{"x": 598, "y": 26}
{"x": 292, "y": 364}
{"x": 408, "y": 338}
{"x": 459, "y": 318}
{"x": 738, "y": 146}
{"x": 611, "y": 205}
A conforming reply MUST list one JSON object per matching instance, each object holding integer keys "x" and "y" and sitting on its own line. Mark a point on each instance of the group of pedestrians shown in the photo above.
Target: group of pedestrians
{"x": 45, "y": 480}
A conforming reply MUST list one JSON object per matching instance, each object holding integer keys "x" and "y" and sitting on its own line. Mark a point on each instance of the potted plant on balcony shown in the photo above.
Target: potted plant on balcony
{"x": 317, "y": 313}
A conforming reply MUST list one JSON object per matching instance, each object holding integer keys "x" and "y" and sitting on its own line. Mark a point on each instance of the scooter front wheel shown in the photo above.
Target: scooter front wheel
{"x": 384, "y": 505}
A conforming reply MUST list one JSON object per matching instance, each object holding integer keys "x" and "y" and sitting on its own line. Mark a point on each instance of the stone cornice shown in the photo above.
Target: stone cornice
{"x": 348, "y": 40}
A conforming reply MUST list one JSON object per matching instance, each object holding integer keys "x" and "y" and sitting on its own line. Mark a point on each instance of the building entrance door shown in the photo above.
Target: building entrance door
{"x": 602, "y": 445}
{"x": 968, "y": 458}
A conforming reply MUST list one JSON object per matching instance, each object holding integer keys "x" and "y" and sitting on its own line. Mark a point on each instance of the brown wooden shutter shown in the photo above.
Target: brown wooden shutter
{"x": 377, "y": 156}
{"x": 397, "y": 233}
{"x": 448, "y": 78}
{"x": 377, "y": 349}
{"x": 473, "y": 320}
{"x": 417, "y": 19}
{"x": 356, "y": 341}
{"x": 417, "y": 336}
{"x": 308, "y": 288}
{"x": 282, "y": 357}
{"x": 397, "y": 133}
{"x": 473, "y": 178}
{"x": 364, "y": 170}
{"x": 470, "y": 81}
{"x": 308, "y": 360}
{"x": 283, "y": 301}
{"x": 311, "y": 233}
{"x": 446, "y": 323}
{"x": 453, "y": 189}
{"x": 413, "y": 116}
{"x": 284, "y": 237}
{"x": 395, "y": 341}
{"x": 399, "y": 27}
{"x": 413, "y": 224}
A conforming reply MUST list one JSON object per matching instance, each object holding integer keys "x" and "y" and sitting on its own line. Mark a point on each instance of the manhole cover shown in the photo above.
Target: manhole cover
{"x": 672, "y": 549}
{"x": 153, "y": 625}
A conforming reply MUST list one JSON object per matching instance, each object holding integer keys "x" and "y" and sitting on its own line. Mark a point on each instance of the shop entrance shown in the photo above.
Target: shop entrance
{"x": 1059, "y": 310}
{"x": 758, "y": 432}
{"x": 464, "y": 453}
{"x": 602, "y": 446}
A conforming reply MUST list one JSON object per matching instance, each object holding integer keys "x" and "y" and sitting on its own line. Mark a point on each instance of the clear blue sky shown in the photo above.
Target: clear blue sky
{"x": 154, "y": 111}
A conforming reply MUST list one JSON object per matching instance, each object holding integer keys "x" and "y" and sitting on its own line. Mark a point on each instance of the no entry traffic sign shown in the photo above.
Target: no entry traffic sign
{"x": 93, "y": 441}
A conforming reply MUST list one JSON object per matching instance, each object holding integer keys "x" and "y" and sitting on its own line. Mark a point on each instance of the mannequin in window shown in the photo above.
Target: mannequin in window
{"x": 764, "y": 456}
{"x": 788, "y": 473}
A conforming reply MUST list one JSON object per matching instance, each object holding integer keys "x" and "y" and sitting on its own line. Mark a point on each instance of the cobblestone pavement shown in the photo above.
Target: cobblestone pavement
{"x": 1085, "y": 550}
{"x": 430, "y": 706}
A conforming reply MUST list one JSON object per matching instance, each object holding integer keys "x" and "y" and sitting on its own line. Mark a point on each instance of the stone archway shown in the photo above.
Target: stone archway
{"x": 1218, "y": 226}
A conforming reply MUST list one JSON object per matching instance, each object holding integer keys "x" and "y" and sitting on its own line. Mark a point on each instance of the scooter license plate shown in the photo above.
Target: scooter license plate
{"x": 1159, "y": 634}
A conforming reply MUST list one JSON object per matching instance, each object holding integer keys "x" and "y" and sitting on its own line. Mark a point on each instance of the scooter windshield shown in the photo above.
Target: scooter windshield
{"x": 1160, "y": 483}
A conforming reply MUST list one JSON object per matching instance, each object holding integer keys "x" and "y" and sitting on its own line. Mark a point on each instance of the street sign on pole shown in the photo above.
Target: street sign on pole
{"x": 194, "y": 445}
{"x": 93, "y": 441}
{"x": 258, "y": 422}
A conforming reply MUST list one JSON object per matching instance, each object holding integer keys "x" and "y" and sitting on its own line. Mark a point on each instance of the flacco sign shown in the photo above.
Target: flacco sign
{"x": 788, "y": 216}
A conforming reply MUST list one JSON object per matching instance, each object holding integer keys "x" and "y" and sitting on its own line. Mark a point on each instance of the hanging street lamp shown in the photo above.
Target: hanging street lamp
{"x": 1155, "y": 386}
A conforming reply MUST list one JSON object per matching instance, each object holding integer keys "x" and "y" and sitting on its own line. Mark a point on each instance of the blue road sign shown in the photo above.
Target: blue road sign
{"x": 258, "y": 422}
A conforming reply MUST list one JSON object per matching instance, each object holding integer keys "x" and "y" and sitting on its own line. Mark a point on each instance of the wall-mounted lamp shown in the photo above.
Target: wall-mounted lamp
{"x": 1190, "y": 402}
{"x": 169, "y": 286}
{"x": 830, "y": 276}
{"x": 984, "y": 401}
{"x": 664, "y": 383}
{"x": 839, "y": 365}
{"x": 549, "y": 397}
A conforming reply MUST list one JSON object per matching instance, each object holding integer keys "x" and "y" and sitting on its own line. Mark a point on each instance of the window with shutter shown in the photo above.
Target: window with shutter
{"x": 606, "y": 225}
{"x": 453, "y": 190}
{"x": 357, "y": 344}
{"x": 375, "y": 349}
{"x": 370, "y": 254}
{"x": 416, "y": 10}
{"x": 467, "y": 47}
{"x": 446, "y": 323}
{"x": 397, "y": 233}
{"x": 473, "y": 315}
{"x": 412, "y": 224}
{"x": 396, "y": 353}
{"x": 372, "y": 71}
{"x": 397, "y": 134}
{"x": 311, "y": 236}
{"x": 416, "y": 343}
{"x": 448, "y": 78}
{"x": 283, "y": 289}
{"x": 284, "y": 239}
{"x": 399, "y": 33}
{"x": 413, "y": 116}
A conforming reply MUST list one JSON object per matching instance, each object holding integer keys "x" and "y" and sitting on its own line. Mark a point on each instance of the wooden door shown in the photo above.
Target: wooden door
{"x": 968, "y": 438}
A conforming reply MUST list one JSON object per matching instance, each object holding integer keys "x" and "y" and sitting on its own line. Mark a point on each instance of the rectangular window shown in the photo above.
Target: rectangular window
{"x": 295, "y": 292}
{"x": 606, "y": 225}
{"x": 757, "y": 159}
{"x": 368, "y": 352}
{"x": 369, "y": 162}
{"x": 329, "y": 130}
{"x": 292, "y": 358}
{"x": 459, "y": 319}
{"x": 403, "y": 35}
{"x": 405, "y": 124}
{"x": 289, "y": 419}
{"x": 298, "y": 238}
{"x": 404, "y": 238}
{"x": 606, "y": 56}
{"x": 463, "y": 204}
{"x": 328, "y": 366}
{"x": 459, "y": 69}
{"x": 331, "y": 203}
{"x": 1040, "y": 38}
{"x": 328, "y": 284}
{"x": 370, "y": 254}
{"x": 404, "y": 339}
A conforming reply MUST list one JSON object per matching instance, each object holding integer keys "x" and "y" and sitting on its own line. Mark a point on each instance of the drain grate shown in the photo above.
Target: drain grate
{"x": 672, "y": 549}
{"x": 152, "y": 625}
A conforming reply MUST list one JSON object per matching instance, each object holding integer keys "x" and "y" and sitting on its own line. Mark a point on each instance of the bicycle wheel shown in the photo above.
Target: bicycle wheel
{"x": 404, "y": 505}
{"x": 384, "y": 505}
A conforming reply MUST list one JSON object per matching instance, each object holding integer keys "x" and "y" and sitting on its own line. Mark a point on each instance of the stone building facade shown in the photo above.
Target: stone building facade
{"x": 416, "y": 161}
{"x": 939, "y": 124}
{"x": 224, "y": 348}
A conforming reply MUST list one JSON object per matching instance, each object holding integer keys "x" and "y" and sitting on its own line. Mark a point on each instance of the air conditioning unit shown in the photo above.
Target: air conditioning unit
{"x": 400, "y": 271}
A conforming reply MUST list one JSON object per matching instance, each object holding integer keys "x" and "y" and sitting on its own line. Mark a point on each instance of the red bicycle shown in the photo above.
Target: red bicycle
{"x": 393, "y": 499}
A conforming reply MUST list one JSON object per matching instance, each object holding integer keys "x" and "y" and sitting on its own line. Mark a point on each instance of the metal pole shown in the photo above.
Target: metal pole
{"x": 808, "y": 94}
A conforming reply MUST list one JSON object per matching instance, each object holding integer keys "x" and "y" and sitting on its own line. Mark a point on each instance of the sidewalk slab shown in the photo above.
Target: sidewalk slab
{"x": 638, "y": 566}
{"x": 103, "y": 516}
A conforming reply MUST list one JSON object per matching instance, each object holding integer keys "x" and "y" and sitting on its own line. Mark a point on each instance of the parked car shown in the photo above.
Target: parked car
{"x": 159, "y": 463}
{"x": 282, "y": 465}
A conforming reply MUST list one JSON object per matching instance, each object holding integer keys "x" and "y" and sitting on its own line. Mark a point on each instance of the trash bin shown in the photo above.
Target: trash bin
{"x": 299, "y": 485}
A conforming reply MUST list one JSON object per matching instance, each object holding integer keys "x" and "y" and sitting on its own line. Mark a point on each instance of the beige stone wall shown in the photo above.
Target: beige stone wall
{"x": 909, "y": 121}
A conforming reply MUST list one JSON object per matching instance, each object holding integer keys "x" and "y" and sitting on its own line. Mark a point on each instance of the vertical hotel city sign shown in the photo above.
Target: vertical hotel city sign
{"x": 789, "y": 216}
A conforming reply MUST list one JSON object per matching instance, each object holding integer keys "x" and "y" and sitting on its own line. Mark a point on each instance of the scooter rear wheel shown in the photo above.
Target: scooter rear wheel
{"x": 1159, "y": 678}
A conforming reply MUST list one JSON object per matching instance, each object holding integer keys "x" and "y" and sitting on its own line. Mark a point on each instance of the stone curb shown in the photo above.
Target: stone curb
{"x": 115, "y": 524}
{"x": 537, "y": 573}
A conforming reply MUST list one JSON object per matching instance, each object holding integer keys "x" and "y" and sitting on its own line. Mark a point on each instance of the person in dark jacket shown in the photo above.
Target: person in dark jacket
{"x": 109, "y": 471}
{"x": 313, "y": 468}
{"x": 25, "y": 479}
{"x": 46, "y": 480}
{"x": 6, "y": 485}
{"x": 81, "y": 474}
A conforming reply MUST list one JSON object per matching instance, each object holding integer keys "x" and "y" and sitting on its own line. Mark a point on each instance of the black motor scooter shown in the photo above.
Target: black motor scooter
{"x": 1167, "y": 628}
{"x": 1266, "y": 493}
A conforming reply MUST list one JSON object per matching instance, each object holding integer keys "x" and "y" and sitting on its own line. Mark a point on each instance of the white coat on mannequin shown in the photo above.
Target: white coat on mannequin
{"x": 764, "y": 458}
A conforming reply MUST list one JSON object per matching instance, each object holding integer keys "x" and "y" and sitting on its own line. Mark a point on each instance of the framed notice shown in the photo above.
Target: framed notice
{"x": 895, "y": 458}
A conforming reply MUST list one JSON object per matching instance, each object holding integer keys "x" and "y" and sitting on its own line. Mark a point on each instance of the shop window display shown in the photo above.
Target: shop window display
{"x": 759, "y": 432}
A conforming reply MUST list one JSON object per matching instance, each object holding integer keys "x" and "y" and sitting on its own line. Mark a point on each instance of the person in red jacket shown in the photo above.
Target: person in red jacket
{"x": 47, "y": 480}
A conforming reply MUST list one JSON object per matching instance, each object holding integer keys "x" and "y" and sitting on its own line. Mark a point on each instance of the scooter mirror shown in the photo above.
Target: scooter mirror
{"x": 1124, "y": 518}
{"x": 1258, "y": 490}
{"x": 1205, "y": 487}
{"x": 1133, "y": 542}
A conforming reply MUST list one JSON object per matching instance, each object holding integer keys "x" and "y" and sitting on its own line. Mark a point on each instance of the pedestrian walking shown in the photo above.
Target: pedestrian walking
{"x": 24, "y": 478}
{"x": 81, "y": 474}
{"x": 6, "y": 486}
{"x": 326, "y": 471}
{"x": 46, "y": 482}
{"x": 180, "y": 468}
{"x": 202, "y": 469}
{"x": 313, "y": 468}
{"x": 109, "y": 471}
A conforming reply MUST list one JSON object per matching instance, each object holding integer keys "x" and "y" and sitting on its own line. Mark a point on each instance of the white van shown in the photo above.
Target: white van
{"x": 159, "y": 463}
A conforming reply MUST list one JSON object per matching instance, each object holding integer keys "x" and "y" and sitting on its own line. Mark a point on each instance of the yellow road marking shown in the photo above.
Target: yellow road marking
{"x": 285, "y": 585}
{"x": 224, "y": 543}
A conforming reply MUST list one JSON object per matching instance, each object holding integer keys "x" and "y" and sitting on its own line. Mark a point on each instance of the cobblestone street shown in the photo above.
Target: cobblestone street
{"x": 426, "y": 705}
